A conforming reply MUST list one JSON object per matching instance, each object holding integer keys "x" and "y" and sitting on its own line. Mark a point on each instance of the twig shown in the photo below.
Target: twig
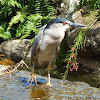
{"x": 6, "y": 71}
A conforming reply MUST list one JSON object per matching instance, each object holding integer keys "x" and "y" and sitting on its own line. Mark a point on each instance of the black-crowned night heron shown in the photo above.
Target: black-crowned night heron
{"x": 47, "y": 43}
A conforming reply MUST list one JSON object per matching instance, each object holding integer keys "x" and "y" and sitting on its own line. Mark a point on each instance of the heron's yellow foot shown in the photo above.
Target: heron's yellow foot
{"x": 49, "y": 84}
{"x": 33, "y": 76}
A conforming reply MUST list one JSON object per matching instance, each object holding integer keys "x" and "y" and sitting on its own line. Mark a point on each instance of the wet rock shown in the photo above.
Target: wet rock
{"x": 17, "y": 49}
{"x": 25, "y": 79}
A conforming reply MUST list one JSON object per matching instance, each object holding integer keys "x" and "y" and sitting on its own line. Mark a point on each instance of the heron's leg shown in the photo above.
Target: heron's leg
{"x": 49, "y": 84}
{"x": 32, "y": 76}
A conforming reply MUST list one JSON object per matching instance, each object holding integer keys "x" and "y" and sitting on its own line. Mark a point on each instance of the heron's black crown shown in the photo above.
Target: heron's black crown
{"x": 57, "y": 20}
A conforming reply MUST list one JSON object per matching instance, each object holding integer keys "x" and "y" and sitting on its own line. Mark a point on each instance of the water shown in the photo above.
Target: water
{"x": 81, "y": 86}
{"x": 17, "y": 88}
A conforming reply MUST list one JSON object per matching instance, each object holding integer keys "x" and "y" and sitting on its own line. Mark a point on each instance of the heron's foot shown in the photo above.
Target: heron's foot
{"x": 49, "y": 84}
{"x": 33, "y": 76}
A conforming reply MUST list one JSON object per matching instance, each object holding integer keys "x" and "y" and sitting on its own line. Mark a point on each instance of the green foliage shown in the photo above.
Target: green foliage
{"x": 79, "y": 42}
{"x": 3, "y": 34}
{"x": 71, "y": 57}
{"x": 11, "y": 3}
{"x": 30, "y": 25}
{"x": 16, "y": 19}
{"x": 95, "y": 4}
{"x": 25, "y": 17}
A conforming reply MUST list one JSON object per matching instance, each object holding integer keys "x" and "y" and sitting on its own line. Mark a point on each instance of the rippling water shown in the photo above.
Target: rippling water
{"x": 16, "y": 88}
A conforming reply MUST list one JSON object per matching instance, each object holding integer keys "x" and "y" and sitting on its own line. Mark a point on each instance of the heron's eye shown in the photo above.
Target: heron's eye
{"x": 64, "y": 23}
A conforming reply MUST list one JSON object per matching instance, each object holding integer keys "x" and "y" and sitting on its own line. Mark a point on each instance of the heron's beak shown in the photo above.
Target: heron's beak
{"x": 77, "y": 25}
{"x": 73, "y": 24}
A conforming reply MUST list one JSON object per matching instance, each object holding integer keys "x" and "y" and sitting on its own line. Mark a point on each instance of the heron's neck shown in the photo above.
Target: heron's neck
{"x": 56, "y": 34}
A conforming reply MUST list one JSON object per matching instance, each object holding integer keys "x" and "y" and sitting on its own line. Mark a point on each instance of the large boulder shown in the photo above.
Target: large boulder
{"x": 17, "y": 49}
{"x": 90, "y": 56}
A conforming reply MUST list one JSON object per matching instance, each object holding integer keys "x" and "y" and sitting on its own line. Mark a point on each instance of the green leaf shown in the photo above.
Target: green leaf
{"x": 24, "y": 36}
{"x": 32, "y": 40}
{"x": 16, "y": 19}
{"x": 1, "y": 29}
{"x": 8, "y": 35}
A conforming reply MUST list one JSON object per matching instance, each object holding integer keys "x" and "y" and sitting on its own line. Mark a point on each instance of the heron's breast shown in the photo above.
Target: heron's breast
{"x": 47, "y": 55}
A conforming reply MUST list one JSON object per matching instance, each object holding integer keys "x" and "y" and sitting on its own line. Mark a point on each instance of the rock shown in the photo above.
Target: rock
{"x": 89, "y": 63}
{"x": 93, "y": 34}
{"x": 90, "y": 56}
{"x": 65, "y": 7}
{"x": 17, "y": 49}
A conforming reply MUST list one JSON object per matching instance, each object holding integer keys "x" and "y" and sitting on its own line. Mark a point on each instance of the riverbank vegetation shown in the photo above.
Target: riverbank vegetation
{"x": 23, "y": 18}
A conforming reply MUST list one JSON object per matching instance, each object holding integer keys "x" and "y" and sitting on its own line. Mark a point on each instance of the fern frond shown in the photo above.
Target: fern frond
{"x": 29, "y": 15}
{"x": 19, "y": 29}
{"x": 29, "y": 25}
{"x": 5, "y": 35}
{"x": 11, "y": 3}
{"x": 16, "y": 19}
{"x": 1, "y": 30}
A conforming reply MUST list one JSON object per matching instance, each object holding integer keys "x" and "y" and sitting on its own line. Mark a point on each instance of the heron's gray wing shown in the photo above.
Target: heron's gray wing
{"x": 37, "y": 41}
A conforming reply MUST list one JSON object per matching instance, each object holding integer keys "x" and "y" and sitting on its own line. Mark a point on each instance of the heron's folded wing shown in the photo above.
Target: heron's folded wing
{"x": 37, "y": 41}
